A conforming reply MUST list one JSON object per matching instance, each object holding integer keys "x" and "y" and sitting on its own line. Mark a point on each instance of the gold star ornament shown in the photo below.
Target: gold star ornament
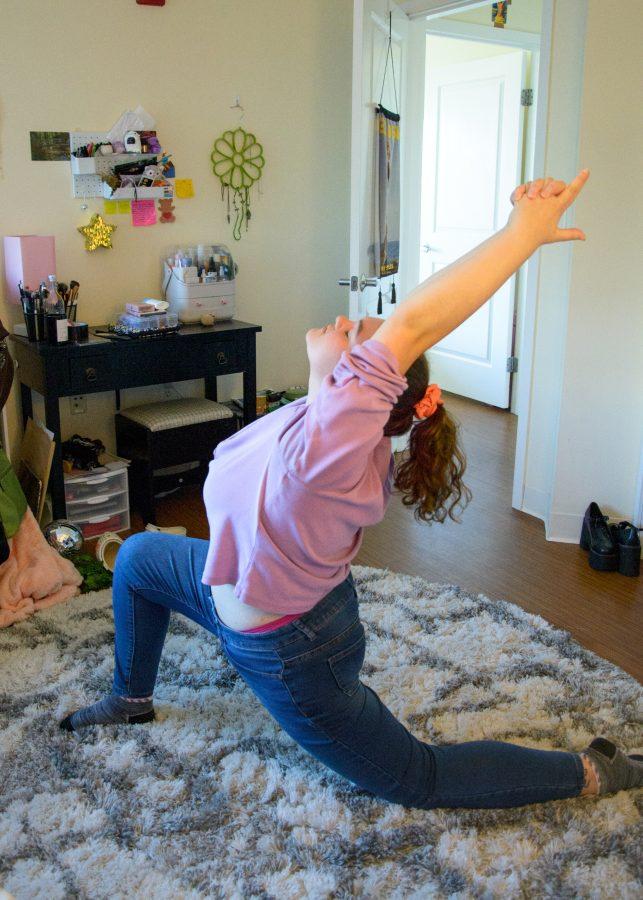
{"x": 97, "y": 234}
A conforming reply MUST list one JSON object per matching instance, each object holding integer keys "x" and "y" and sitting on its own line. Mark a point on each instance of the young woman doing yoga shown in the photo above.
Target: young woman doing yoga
{"x": 287, "y": 498}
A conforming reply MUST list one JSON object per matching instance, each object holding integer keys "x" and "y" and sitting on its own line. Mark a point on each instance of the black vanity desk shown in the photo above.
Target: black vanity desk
{"x": 112, "y": 364}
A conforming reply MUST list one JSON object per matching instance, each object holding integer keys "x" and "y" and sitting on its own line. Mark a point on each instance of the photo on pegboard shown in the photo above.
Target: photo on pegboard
{"x": 49, "y": 146}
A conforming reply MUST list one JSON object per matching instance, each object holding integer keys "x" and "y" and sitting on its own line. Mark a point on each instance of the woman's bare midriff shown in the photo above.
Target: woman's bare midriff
{"x": 235, "y": 614}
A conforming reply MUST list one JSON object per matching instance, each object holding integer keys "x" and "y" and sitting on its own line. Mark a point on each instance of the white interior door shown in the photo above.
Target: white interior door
{"x": 370, "y": 43}
{"x": 472, "y": 161}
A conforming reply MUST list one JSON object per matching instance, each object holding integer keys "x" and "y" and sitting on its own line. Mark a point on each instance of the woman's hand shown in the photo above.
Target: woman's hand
{"x": 539, "y": 206}
{"x": 546, "y": 187}
{"x": 438, "y": 305}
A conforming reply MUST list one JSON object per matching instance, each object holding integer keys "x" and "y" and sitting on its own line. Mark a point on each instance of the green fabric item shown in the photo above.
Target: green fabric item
{"x": 13, "y": 504}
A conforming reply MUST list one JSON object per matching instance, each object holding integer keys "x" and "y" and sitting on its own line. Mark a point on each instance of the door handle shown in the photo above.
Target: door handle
{"x": 427, "y": 248}
{"x": 358, "y": 284}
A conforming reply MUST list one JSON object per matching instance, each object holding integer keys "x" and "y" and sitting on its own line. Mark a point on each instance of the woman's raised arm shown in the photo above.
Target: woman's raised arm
{"x": 442, "y": 302}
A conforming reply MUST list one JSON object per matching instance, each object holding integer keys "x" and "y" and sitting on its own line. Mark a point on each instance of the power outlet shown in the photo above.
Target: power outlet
{"x": 78, "y": 405}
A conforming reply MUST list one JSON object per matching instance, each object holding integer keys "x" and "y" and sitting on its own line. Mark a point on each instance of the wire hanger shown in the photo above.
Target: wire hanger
{"x": 389, "y": 52}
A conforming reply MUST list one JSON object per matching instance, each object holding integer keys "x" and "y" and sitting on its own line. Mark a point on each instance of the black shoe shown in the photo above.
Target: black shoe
{"x": 597, "y": 537}
{"x": 626, "y": 537}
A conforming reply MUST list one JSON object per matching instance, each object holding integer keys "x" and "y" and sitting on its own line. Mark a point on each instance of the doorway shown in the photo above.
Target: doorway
{"x": 498, "y": 339}
{"x": 406, "y": 23}
{"x": 474, "y": 153}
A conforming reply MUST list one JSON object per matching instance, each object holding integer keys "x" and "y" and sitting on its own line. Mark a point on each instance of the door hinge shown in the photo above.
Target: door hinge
{"x": 527, "y": 97}
{"x": 512, "y": 364}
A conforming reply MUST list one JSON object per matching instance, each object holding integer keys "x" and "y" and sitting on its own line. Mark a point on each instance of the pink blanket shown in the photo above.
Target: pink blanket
{"x": 34, "y": 576}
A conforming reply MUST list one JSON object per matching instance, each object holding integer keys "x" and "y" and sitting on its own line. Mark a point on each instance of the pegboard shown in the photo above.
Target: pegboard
{"x": 85, "y": 186}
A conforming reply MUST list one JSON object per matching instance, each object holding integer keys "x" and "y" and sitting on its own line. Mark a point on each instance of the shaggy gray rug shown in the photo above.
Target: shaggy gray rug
{"x": 214, "y": 801}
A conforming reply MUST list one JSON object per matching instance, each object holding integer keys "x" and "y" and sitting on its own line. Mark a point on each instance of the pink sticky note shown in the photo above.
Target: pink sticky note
{"x": 143, "y": 212}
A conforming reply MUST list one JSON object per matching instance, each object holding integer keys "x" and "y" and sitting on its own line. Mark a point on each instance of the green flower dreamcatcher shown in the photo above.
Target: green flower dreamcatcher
{"x": 237, "y": 161}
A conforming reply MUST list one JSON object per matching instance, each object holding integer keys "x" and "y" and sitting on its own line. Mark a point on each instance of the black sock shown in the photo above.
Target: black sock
{"x": 111, "y": 710}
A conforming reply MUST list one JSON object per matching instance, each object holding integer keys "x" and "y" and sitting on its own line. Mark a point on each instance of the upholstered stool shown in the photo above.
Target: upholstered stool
{"x": 171, "y": 433}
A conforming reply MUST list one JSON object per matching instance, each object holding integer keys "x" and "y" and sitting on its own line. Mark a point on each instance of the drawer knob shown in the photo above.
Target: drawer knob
{"x": 222, "y": 359}
{"x": 90, "y": 374}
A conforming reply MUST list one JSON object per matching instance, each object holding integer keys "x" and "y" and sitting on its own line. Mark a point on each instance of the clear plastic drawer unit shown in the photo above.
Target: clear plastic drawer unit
{"x": 200, "y": 280}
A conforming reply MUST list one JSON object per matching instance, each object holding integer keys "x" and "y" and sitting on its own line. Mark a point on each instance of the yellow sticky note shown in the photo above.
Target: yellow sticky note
{"x": 124, "y": 206}
{"x": 183, "y": 188}
{"x": 110, "y": 207}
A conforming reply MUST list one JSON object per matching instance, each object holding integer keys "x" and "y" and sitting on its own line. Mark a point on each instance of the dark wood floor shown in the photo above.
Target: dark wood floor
{"x": 495, "y": 550}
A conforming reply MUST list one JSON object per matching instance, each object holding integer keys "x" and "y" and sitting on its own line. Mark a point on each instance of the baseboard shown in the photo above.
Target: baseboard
{"x": 564, "y": 527}
{"x": 535, "y": 503}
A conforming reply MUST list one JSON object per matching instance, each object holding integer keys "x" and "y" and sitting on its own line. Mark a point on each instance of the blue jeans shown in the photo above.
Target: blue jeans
{"x": 306, "y": 674}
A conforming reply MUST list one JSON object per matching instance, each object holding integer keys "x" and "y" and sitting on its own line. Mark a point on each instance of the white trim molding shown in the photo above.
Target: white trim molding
{"x": 564, "y": 527}
{"x": 469, "y": 31}
{"x": 421, "y": 9}
{"x": 637, "y": 516}
{"x": 535, "y": 503}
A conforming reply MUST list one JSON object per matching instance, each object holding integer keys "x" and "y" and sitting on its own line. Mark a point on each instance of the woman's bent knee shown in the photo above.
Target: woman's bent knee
{"x": 137, "y": 550}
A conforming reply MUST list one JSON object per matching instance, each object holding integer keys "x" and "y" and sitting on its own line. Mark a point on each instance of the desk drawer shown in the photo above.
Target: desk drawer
{"x": 91, "y": 373}
{"x": 220, "y": 356}
{"x": 149, "y": 362}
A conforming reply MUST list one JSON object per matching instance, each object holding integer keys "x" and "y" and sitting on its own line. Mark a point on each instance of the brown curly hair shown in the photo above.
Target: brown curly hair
{"x": 429, "y": 475}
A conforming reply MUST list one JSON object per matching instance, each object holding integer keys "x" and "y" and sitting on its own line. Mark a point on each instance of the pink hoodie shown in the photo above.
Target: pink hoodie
{"x": 287, "y": 497}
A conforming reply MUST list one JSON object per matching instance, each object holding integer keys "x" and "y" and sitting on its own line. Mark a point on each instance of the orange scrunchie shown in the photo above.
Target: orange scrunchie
{"x": 430, "y": 402}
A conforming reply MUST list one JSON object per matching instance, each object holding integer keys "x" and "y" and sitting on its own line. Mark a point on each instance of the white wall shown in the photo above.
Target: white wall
{"x": 598, "y": 450}
{"x": 586, "y": 416}
{"x": 77, "y": 65}
{"x": 441, "y": 51}
{"x": 561, "y": 160}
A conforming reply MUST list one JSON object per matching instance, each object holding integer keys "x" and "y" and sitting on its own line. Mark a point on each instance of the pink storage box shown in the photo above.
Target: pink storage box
{"x": 29, "y": 258}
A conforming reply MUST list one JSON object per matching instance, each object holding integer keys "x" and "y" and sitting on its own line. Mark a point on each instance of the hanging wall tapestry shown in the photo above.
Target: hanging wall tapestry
{"x": 237, "y": 161}
{"x": 386, "y": 202}
{"x": 387, "y": 161}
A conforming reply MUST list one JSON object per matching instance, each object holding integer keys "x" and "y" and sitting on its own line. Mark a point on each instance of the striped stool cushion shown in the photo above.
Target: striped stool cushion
{"x": 176, "y": 413}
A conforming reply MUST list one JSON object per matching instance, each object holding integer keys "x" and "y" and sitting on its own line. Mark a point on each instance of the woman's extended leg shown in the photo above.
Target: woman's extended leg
{"x": 155, "y": 574}
{"x": 307, "y": 676}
